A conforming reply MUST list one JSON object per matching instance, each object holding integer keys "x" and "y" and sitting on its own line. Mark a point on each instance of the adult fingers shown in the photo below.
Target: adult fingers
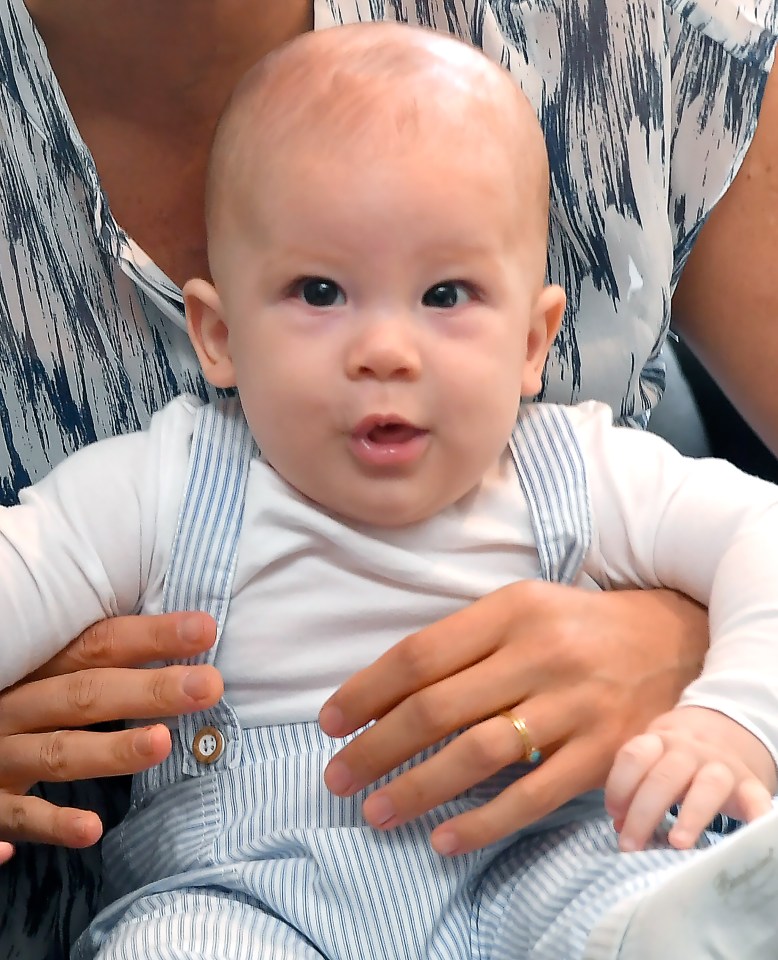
{"x": 558, "y": 634}
{"x": 572, "y": 770}
{"x": 103, "y": 694}
{"x": 31, "y": 819}
{"x": 426, "y": 717}
{"x": 65, "y": 755}
{"x": 469, "y": 759}
{"x": 551, "y": 638}
{"x": 132, "y": 642}
{"x": 440, "y": 650}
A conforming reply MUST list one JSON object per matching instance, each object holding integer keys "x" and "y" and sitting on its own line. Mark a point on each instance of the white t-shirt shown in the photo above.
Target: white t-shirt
{"x": 316, "y": 598}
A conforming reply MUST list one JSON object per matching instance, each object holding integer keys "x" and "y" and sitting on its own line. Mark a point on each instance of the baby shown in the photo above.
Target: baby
{"x": 379, "y": 301}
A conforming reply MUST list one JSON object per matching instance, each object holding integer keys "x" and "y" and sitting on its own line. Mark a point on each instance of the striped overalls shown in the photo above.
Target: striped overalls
{"x": 233, "y": 848}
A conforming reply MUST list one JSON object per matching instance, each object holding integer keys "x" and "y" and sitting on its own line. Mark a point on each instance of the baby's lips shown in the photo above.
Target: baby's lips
{"x": 386, "y": 428}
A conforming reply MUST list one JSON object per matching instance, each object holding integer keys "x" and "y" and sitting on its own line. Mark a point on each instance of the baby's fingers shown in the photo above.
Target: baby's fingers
{"x": 632, "y": 763}
{"x": 708, "y": 794}
{"x": 665, "y": 783}
{"x": 751, "y": 799}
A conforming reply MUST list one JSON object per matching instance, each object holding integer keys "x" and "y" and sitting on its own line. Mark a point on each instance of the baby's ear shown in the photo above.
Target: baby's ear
{"x": 208, "y": 332}
{"x": 544, "y": 325}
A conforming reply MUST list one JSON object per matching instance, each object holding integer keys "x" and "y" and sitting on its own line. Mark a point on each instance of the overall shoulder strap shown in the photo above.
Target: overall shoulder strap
{"x": 205, "y": 550}
{"x": 552, "y": 473}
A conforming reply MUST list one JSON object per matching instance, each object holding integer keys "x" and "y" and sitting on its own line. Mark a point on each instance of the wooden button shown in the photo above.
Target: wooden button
{"x": 208, "y": 745}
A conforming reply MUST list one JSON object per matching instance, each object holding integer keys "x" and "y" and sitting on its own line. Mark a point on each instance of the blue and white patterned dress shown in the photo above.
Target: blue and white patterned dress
{"x": 648, "y": 107}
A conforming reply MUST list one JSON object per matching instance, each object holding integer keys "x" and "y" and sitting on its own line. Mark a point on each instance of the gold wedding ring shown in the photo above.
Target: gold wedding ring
{"x": 531, "y": 753}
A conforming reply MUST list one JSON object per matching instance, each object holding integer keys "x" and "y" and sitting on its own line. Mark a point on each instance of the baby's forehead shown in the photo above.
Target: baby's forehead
{"x": 370, "y": 82}
{"x": 370, "y": 95}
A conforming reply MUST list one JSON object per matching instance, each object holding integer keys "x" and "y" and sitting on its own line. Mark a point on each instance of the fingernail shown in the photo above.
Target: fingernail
{"x": 338, "y": 777}
{"x": 84, "y": 828}
{"x": 80, "y": 827}
{"x": 196, "y": 685}
{"x": 331, "y": 720}
{"x": 444, "y": 842}
{"x": 190, "y": 632}
{"x": 144, "y": 742}
{"x": 379, "y": 810}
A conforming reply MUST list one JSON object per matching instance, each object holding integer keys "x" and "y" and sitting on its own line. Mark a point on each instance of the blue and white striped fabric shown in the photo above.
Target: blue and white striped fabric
{"x": 545, "y": 895}
{"x": 556, "y": 498}
{"x": 203, "y": 560}
{"x": 252, "y": 856}
{"x": 648, "y": 107}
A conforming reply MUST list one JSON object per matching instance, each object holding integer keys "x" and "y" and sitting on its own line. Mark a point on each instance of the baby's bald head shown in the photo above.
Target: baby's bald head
{"x": 367, "y": 92}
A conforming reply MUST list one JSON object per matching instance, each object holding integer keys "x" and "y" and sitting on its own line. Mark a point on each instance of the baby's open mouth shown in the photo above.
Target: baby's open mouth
{"x": 393, "y": 433}
{"x": 388, "y": 441}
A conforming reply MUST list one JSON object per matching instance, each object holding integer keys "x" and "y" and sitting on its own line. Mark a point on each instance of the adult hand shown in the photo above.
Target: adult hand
{"x": 94, "y": 680}
{"x": 585, "y": 671}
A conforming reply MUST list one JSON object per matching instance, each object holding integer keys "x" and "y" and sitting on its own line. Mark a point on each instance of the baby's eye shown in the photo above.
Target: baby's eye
{"x": 444, "y": 296}
{"x": 319, "y": 292}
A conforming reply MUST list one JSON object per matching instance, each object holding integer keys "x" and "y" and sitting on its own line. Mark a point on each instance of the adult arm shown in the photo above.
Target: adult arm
{"x": 726, "y": 304}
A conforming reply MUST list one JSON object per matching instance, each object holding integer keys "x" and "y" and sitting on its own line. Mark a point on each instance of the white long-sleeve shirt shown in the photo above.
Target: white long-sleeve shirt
{"x": 316, "y": 599}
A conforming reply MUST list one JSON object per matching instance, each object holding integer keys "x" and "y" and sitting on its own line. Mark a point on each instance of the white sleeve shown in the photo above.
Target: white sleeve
{"x": 701, "y": 527}
{"x": 81, "y": 544}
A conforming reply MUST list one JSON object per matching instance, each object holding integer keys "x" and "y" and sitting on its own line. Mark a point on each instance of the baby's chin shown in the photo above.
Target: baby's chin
{"x": 385, "y": 499}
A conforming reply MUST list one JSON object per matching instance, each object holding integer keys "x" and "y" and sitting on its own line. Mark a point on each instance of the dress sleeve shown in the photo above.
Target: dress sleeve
{"x": 706, "y": 529}
{"x": 83, "y": 542}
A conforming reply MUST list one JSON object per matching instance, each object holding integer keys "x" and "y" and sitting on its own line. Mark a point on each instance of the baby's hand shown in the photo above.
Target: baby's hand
{"x": 693, "y": 756}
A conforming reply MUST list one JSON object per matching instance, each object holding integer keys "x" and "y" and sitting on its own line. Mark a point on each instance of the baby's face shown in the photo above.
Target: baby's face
{"x": 380, "y": 317}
